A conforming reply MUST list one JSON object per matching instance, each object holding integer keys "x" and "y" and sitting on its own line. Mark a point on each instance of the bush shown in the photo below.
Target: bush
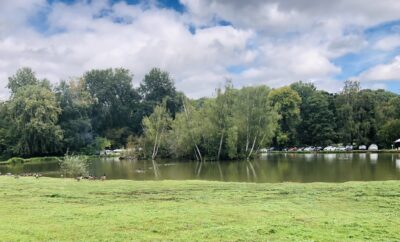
{"x": 16, "y": 160}
{"x": 74, "y": 166}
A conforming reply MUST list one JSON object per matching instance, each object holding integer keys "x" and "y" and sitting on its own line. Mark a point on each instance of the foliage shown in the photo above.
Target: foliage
{"x": 157, "y": 87}
{"x": 99, "y": 144}
{"x": 34, "y": 115}
{"x": 155, "y": 127}
{"x": 73, "y": 165}
{"x": 114, "y": 99}
{"x": 390, "y": 132}
{"x": 317, "y": 126}
{"x": 287, "y": 102}
{"x": 233, "y": 124}
{"x": 75, "y": 103}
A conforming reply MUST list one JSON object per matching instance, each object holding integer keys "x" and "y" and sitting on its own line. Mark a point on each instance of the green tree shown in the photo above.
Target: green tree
{"x": 287, "y": 102}
{"x": 318, "y": 120}
{"x": 34, "y": 115}
{"x": 345, "y": 110}
{"x": 188, "y": 131}
{"x": 317, "y": 125}
{"x": 5, "y": 130}
{"x": 156, "y": 87}
{"x": 389, "y": 133}
{"x": 255, "y": 120}
{"x": 115, "y": 101}
{"x": 155, "y": 128}
{"x": 75, "y": 103}
{"x": 25, "y": 77}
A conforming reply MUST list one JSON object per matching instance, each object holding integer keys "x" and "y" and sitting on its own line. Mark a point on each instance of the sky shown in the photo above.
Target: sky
{"x": 201, "y": 43}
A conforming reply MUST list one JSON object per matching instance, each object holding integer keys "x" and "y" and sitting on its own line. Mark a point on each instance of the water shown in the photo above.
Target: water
{"x": 270, "y": 168}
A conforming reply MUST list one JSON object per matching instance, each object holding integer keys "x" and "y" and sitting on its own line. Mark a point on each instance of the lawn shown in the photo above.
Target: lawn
{"x": 64, "y": 209}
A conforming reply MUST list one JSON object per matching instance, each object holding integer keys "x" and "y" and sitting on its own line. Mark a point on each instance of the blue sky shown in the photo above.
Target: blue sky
{"x": 203, "y": 43}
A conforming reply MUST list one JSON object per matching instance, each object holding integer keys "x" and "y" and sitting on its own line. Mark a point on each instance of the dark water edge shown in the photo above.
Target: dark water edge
{"x": 274, "y": 167}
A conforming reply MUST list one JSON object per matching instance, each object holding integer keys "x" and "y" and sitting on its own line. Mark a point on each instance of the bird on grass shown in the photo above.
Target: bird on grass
{"x": 103, "y": 177}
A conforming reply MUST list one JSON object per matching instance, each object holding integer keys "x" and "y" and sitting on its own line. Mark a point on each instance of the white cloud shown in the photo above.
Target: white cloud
{"x": 273, "y": 42}
{"x": 388, "y": 43}
{"x": 156, "y": 37}
{"x": 383, "y": 72}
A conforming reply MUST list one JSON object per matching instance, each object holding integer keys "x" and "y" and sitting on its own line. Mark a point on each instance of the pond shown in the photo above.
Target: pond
{"x": 290, "y": 167}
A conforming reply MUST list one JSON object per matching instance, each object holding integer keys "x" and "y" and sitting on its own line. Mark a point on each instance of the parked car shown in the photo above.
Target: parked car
{"x": 373, "y": 147}
{"x": 319, "y": 148}
{"x": 293, "y": 149}
{"x": 310, "y": 148}
{"x": 341, "y": 148}
{"x": 362, "y": 147}
{"x": 349, "y": 148}
{"x": 263, "y": 150}
{"x": 329, "y": 148}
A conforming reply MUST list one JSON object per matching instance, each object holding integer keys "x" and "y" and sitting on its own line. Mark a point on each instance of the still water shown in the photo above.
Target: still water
{"x": 270, "y": 168}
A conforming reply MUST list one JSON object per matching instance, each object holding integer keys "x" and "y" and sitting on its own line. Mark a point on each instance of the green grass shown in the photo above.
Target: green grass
{"x": 64, "y": 209}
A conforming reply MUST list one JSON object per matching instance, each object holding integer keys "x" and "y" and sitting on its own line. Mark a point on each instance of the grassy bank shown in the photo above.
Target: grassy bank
{"x": 64, "y": 209}
{"x": 19, "y": 160}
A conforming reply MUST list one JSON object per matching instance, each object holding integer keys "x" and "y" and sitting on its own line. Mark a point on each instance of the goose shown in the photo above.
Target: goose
{"x": 103, "y": 177}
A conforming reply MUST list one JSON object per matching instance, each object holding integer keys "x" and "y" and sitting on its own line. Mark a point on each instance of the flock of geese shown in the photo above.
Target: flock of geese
{"x": 38, "y": 175}
{"x": 16, "y": 176}
{"x": 91, "y": 178}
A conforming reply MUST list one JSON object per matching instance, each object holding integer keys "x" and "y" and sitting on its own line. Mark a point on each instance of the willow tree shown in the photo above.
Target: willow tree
{"x": 256, "y": 120}
{"x": 187, "y": 132}
{"x": 155, "y": 129}
{"x": 233, "y": 125}
{"x": 34, "y": 114}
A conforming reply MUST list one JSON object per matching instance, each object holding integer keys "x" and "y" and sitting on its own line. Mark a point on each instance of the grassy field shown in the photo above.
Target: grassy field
{"x": 64, "y": 209}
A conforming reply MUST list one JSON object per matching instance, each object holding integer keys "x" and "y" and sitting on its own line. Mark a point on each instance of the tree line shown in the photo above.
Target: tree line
{"x": 102, "y": 109}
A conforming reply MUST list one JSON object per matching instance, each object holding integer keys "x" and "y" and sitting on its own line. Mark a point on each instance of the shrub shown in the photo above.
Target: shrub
{"x": 74, "y": 166}
{"x": 16, "y": 160}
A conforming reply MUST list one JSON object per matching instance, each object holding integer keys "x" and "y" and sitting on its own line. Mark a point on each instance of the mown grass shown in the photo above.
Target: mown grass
{"x": 64, "y": 209}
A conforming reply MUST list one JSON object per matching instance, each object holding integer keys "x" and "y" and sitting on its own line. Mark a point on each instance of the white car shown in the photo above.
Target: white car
{"x": 362, "y": 147}
{"x": 329, "y": 148}
{"x": 341, "y": 148}
{"x": 373, "y": 147}
{"x": 311, "y": 148}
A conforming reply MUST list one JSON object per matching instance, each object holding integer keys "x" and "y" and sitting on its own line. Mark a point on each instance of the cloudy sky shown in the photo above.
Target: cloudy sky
{"x": 203, "y": 42}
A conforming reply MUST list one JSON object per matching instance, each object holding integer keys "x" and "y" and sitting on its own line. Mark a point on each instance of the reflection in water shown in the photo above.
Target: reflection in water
{"x": 330, "y": 157}
{"x": 271, "y": 168}
{"x": 156, "y": 170}
{"x": 373, "y": 157}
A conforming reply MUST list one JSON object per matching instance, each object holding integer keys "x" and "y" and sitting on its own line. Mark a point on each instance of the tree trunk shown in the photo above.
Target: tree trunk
{"x": 220, "y": 145}
{"x": 252, "y": 147}
{"x": 191, "y": 134}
